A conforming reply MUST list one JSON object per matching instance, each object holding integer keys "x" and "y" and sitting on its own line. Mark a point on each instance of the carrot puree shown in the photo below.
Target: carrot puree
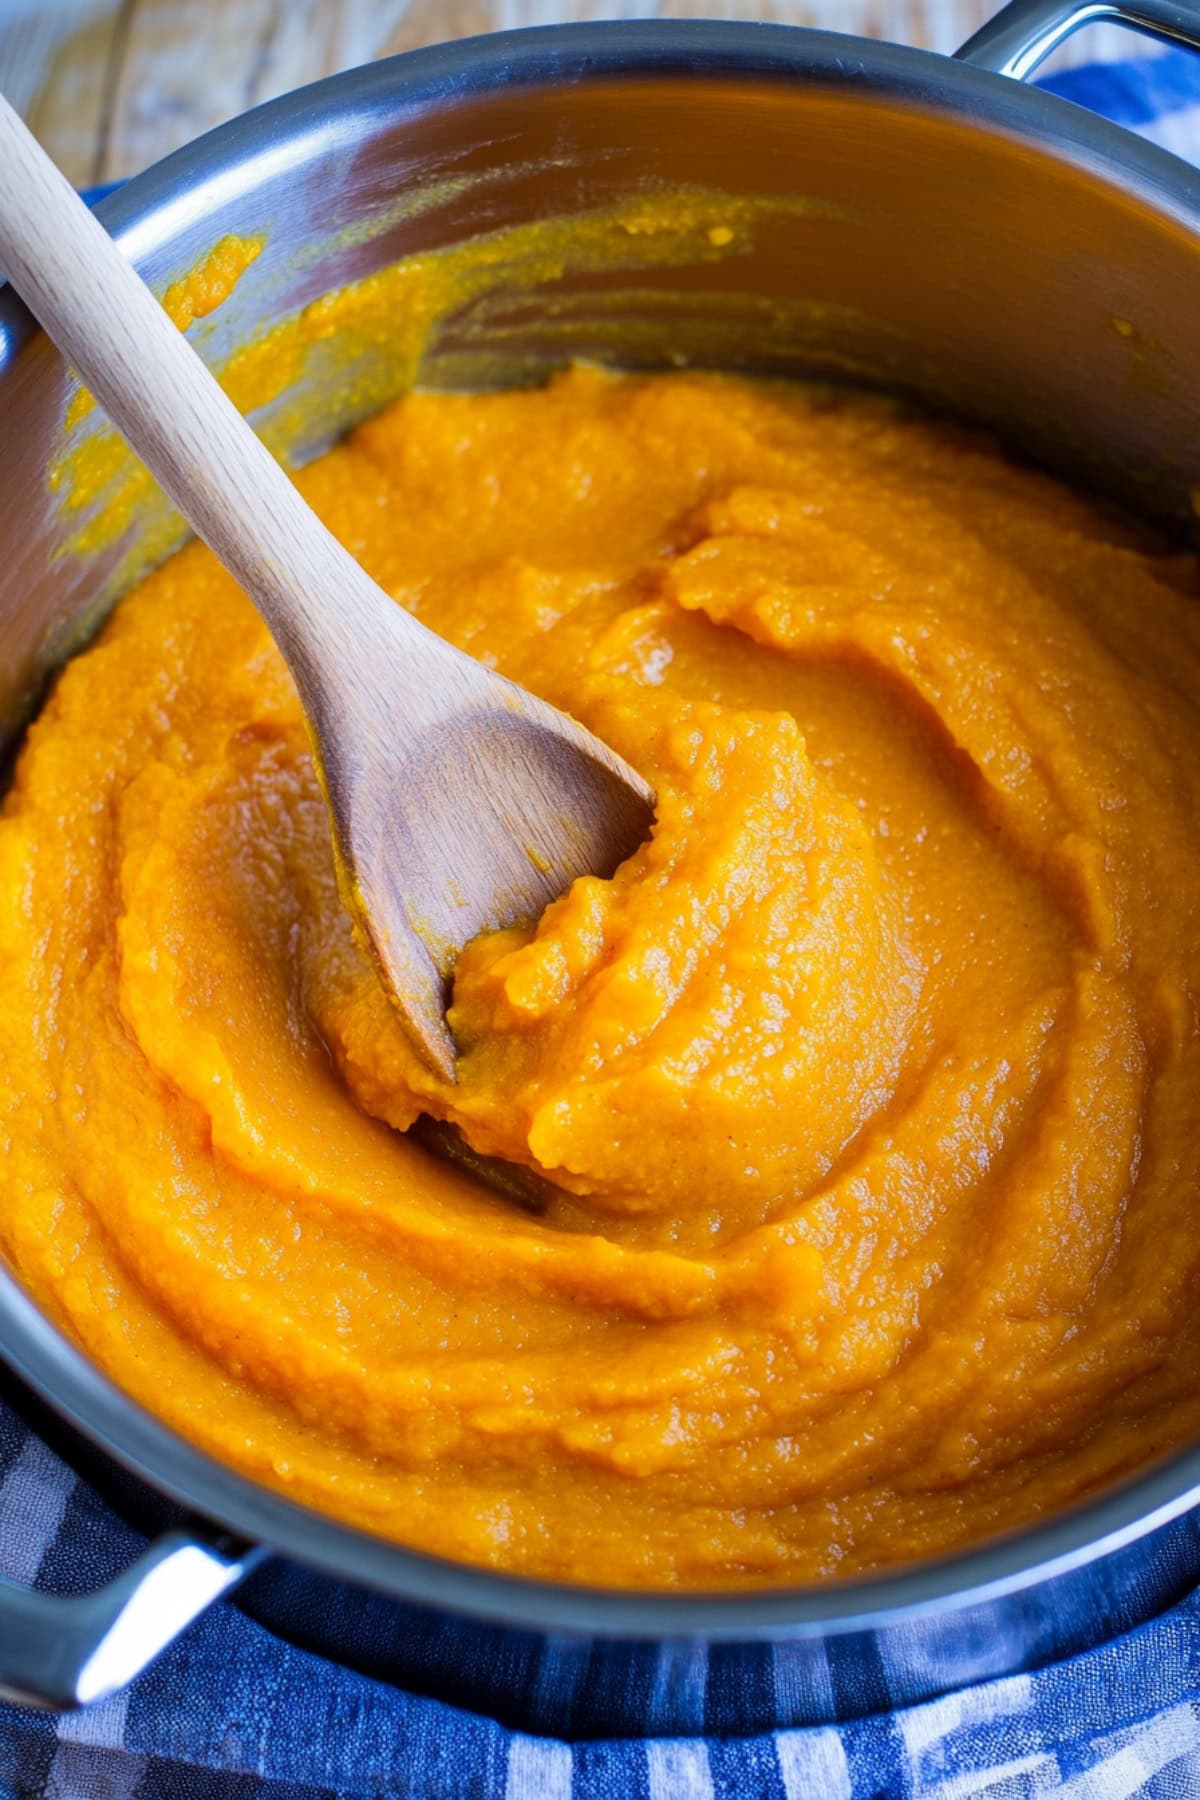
{"x": 868, "y": 1086}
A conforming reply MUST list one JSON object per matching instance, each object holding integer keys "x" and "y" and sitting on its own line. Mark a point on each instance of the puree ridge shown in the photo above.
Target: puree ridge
{"x": 867, "y": 1085}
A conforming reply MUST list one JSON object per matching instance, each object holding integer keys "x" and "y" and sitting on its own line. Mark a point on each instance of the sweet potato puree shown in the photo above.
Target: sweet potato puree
{"x": 869, "y": 1085}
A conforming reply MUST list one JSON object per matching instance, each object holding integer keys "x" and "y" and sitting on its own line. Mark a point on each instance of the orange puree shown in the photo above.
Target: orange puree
{"x": 869, "y": 1085}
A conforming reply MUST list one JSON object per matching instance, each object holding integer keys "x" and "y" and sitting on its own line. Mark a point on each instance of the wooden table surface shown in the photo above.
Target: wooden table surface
{"x": 111, "y": 85}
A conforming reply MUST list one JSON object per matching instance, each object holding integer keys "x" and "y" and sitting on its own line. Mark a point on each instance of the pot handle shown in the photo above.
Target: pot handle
{"x": 1024, "y": 32}
{"x": 59, "y": 1652}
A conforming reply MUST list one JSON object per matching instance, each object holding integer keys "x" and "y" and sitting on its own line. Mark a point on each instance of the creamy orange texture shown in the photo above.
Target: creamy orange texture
{"x": 870, "y": 1083}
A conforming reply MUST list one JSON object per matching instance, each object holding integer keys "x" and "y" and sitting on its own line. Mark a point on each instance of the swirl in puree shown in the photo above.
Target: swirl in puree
{"x": 867, "y": 1087}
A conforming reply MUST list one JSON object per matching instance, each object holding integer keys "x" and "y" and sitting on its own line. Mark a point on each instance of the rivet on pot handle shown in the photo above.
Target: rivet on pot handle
{"x": 1025, "y": 32}
{"x": 60, "y": 1652}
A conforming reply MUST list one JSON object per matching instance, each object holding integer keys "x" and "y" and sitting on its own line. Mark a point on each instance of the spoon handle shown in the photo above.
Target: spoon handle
{"x": 164, "y": 401}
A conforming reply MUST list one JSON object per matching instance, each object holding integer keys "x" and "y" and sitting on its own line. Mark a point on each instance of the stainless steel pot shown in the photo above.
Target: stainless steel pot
{"x": 987, "y": 246}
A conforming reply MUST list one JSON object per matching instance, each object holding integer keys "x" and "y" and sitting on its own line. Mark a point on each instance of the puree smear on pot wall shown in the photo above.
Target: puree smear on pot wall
{"x": 868, "y": 1086}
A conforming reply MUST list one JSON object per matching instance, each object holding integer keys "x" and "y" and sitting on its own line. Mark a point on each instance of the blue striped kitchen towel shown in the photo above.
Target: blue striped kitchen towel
{"x": 236, "y": 1712}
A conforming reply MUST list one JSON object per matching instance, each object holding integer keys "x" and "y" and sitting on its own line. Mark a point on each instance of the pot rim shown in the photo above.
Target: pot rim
{"x": 141, "y": 214}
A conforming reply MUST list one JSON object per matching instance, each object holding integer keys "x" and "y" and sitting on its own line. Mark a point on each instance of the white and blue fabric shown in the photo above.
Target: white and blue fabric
{"x": 1157, "y": 96}
{"x": 237, "y": 1711}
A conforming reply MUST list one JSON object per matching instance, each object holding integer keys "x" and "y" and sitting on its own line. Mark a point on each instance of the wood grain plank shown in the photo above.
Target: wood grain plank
{"x": 55, "y": 67}
{"x": 185, "y": 67}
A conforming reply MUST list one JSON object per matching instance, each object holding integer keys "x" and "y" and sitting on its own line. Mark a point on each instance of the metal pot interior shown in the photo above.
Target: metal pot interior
{"x": 909, "y": 223}
{"x": 897, "y": 234}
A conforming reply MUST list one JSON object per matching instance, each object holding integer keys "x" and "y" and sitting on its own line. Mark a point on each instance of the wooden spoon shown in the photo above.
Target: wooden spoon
{"x": 458, "y": 801}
